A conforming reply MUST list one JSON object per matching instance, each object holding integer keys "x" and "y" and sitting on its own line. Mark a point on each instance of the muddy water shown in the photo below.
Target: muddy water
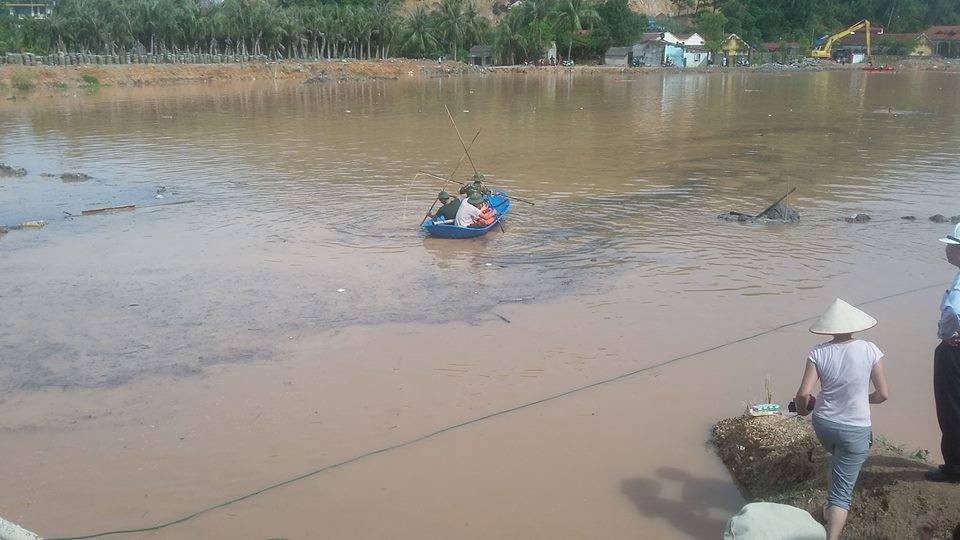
{"x": 166, "y": 359}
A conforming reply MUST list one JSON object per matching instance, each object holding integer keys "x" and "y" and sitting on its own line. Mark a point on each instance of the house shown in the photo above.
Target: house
{"x": 661, "y": 36}
{"x": 38, "y": 10}
{"x": 734, "y": 51}
{"x": 693, "y": 39}
{"x": 657, "y": 52}
{"x": 649, "y": 53}
{"x": 945, "y": 40}
{"x": 694, "y": 56}
{"x": 618, "y": 56}
{"x": 481, "y": 55}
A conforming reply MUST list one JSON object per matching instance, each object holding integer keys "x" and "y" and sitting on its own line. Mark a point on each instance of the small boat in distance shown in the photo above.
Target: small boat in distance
{"x": 446, "y": 229}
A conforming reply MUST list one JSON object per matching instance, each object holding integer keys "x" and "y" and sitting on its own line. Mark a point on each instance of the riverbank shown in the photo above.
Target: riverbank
{"x": 778, "y": 459}
{"x": 25, "y": 79}
{"x": 20, "y": 80}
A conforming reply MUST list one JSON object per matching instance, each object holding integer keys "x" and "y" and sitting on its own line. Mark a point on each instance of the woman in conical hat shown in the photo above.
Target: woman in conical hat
{"x": 845, "y": 368}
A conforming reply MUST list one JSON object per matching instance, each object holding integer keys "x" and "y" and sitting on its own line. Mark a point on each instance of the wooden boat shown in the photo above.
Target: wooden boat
{"x": 879, "y": 69}
{"x": 498, "y": 201}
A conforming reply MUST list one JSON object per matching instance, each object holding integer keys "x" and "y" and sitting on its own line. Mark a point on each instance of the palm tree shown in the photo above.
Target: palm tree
{"x": 571, "y": 15}
{"x": 510, "y": 38}
{"x": 418, "y": 34}
{"x": 535, "y": 12}
{"x": 451, "y": 22}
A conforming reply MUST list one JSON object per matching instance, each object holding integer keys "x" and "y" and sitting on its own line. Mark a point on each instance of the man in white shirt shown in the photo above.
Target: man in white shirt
{"x": 469, "y": 212}
{"x": 946, "y": 371}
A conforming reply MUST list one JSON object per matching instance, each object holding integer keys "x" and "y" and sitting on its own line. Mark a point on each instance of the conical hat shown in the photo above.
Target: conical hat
{"x": 842, "y": 318}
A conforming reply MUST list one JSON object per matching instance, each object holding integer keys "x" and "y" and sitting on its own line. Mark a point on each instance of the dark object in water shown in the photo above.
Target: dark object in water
{"x": 75, "y": 177}
{"x": 3, "y": 231}
{"x": 955, "y": 220}
{"x": 939, "y": 218}
{"x": 781, "y": 212}
{"x": 108, "y": 209}
{"x": 7, "y": 170}
{"x": 909, "y": 218}
{"x": 859, "y": 218}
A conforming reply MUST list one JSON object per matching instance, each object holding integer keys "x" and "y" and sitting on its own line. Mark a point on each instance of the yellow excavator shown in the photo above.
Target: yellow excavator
{"x": 823, "y": 47}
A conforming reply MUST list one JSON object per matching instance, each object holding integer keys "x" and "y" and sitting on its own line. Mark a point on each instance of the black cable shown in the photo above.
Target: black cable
{"x": 476, "y": 420}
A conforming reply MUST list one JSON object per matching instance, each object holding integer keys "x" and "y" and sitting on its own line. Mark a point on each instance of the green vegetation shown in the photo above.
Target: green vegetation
{"x": 380, "y": 28}
{"x": 90, "y": 80}
{"x": 329, "y": 29}
{"x": 762, "y": 20}
{"x": 22, "y": 82}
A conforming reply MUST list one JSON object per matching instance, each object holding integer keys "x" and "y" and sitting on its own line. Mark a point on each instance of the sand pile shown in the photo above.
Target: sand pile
{"x": 778, "y": 459}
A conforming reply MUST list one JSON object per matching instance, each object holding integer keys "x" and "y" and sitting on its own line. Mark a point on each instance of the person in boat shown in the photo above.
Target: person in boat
{"x": 474, "y": 212}
{"x": 477, "y": 186}
{"x": 449, "y": 207}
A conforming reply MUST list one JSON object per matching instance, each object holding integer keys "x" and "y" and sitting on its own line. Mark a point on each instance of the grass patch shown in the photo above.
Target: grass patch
{"x": 62, "y": 86}
{"x": 90, "y": 80}
{"x": 22, "y": 82}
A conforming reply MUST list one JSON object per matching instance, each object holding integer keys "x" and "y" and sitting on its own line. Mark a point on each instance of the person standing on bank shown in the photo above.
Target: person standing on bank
{"x": 841, "y": 416}
{"x": 946, "y": 371}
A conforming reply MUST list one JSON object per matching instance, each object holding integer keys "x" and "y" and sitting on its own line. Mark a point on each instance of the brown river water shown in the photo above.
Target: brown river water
{"x": 160, "y": 361}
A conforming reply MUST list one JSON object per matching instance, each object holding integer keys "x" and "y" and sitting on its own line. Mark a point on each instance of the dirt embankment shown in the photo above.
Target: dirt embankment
{"x": 27, "y": 78}
{"x": 778, "y": 459}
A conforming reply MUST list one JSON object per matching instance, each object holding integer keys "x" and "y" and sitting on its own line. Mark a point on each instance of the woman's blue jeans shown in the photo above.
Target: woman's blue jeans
{"x": 849, "y": 447}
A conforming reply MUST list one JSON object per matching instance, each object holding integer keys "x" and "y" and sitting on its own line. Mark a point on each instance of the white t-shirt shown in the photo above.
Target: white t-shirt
{"x": 844, "y": 370}
{"x": 466, "y": 214}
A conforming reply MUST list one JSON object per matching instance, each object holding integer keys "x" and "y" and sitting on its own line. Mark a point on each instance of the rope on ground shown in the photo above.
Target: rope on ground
{"x": 477, "y": 420}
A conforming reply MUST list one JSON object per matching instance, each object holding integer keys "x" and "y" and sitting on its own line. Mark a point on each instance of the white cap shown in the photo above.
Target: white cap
{"x": 952, "y": 238}
{"x": 842, "y": 318}
{"x": 771, "y": 521}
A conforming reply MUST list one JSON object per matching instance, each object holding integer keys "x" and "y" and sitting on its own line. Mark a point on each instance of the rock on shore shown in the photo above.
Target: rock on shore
{"x": 778, "y": 459}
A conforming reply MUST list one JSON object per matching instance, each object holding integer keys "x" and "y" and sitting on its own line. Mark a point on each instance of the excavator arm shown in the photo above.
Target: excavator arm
{"x": 825, "y": 49}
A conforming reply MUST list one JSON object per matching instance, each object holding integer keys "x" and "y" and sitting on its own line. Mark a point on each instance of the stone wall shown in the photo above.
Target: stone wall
{"x": 78, "y": 59}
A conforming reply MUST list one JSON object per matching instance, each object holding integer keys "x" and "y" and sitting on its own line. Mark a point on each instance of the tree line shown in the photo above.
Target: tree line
{"x": 759, "y": 21}
{"x": 321, "y": 29}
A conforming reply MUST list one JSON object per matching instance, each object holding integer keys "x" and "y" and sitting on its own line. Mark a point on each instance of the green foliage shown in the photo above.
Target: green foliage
{"x": 89, "y": 80}
{"x": 374, "y": 28}
{"x": 763, "y": 20}
{"x": 624, "y": 27}
{"x": 710, "y": 25}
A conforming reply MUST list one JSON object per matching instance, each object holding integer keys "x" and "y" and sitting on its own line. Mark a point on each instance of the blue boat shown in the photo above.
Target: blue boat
{"x": 498, "y": 201}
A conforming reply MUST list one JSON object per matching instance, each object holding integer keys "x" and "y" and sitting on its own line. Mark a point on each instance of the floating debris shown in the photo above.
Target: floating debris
{"x": 75, "y": 177}
{"x": 909, "y": 218}
{"x": 859, "y": 218}
{"x": 341, "y": 290}
{"x": 108, "y": 209}
{"x": 8, "y": 170}
{"x": 35, "y": 224}
{"x": 939, "y": 218}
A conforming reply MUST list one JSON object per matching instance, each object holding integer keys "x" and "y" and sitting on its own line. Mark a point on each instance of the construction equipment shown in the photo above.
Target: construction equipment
{"x": 823, "y": 47}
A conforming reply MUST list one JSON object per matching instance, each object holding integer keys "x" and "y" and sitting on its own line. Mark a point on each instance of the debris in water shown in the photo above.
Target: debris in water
{"x": 75, "y": 177}
{"x": 909, "y": 218}
{"x": 341, "y": 290}
{"x": 939, "y": 218}
{"x": 504, "y": 319}
{"x": 108, "y": 209}
{"x": 518, "y": 299}
{"x": 35, "y": 224}
{"x": 955, "y": 220}
{"x": 8, "y": 170}
{"x": 859, "y": 218}
{"x": 488, "y": 264}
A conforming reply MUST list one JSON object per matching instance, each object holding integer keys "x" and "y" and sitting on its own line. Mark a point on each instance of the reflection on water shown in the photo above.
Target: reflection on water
{"x": 304, "y": 190}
